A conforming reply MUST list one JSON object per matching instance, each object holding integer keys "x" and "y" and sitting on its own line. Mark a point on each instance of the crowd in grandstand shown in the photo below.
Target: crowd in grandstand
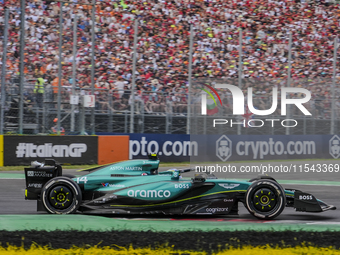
{"x": 163, "y": 45}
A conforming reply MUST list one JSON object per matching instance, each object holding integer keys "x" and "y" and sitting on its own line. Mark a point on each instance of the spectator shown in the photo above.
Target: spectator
{"x": 39, "y": 90}
{"x": 54, "y": 129}
{"x": 163, "y": 44}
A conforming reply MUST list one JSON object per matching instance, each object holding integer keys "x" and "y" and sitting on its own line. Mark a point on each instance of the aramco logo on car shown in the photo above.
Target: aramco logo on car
{"x": 148, "y": 193}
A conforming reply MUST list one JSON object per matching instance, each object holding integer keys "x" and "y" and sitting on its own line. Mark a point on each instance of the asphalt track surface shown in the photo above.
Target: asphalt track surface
{"x": 12, "y": 191}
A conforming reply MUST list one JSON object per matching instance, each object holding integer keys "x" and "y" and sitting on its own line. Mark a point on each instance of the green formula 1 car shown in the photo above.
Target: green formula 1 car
{"x": 135, "y": 187}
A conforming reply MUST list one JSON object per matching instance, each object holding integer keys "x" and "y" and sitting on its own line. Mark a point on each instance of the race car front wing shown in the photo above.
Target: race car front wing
{"x": 304, "y": 202}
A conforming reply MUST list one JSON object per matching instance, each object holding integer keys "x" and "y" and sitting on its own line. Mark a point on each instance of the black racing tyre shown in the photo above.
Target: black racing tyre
{"x": 61, "y": 195}
{"x": 265, "y": 199}
{"x": 262, "y": 177}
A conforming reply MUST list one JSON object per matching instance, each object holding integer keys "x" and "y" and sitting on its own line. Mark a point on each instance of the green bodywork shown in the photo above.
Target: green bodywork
{"x": 127, "y": 179}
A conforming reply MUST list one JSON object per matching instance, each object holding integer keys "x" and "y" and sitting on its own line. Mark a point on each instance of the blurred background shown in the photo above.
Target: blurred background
{"x": 258, "y": 44}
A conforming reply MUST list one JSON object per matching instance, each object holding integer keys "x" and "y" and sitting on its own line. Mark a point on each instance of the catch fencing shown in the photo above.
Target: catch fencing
{"x": 165, "y": 111}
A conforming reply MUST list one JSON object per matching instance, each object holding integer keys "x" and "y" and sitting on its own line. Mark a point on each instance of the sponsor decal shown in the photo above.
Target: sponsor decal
{"x": 306, "y": 197}
{"x": 31, "y": 150}
{"x": 105, "y": 199}
{"x": 228, "y": 200}
{"x": 334, "y": 146}
{"x": 113, "y": 185}
{"x": 182, "y": 186}
{"x": 99, "y": 201}
{"x": 217, "y": 209}
{"x": 131, "y": 168}
{"x": 35, "y": 185}
{"x": 229, "y": 185}
{"x": 39, "y": 174}
{"x": 148, "y": 193}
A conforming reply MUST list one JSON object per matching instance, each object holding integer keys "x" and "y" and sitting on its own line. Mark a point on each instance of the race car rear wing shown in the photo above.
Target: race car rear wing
{"x": 37, "y": 175}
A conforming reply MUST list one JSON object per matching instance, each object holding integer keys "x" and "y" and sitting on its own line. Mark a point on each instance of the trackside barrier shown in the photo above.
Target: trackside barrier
{"x": 1, "y": 150}
{"x": 266, "y": 147}
{"x": 21, "y": 150}
{"x": 110, "y": 147}
{"x": 113, "y": 148}
{"x": 200, "y": 148}
{"x": 170, "y": 148}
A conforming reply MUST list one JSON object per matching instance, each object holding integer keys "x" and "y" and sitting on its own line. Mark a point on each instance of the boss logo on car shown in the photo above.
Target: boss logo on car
{"x": 217, "y": 209}
{"x": 182, "y": 186}
{"x": 306, "y": 197}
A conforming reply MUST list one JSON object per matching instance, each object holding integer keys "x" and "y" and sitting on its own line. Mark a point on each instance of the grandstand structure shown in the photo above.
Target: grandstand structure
{"x": 261, "y": 56}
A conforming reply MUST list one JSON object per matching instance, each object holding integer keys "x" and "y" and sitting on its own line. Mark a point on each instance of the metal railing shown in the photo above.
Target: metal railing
{"x": 157, "y": 111}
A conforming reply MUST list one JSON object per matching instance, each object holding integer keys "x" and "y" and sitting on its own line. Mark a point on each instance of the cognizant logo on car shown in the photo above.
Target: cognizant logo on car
{"x": 148, "y": 193}
{"x": 217, "y": 209}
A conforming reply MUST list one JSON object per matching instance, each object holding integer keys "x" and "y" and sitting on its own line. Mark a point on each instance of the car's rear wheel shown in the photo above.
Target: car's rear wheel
{"x": 61, "y": 195}
{"x": 265, "y": 199}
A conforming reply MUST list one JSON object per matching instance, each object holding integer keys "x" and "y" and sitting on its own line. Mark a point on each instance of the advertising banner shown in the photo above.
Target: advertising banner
{"x": 113, "y": 148}
{"x": 21, "y": 150}
{"x": 1, "y": 150}
{"x": 265, "y": 147}
{"x": 206, "y": 148}
{"x": 170, "y": 148}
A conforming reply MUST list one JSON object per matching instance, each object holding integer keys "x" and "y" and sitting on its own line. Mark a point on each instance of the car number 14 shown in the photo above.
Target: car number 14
{"x": 182, "y": 186}
{"x": 82, "y": 179}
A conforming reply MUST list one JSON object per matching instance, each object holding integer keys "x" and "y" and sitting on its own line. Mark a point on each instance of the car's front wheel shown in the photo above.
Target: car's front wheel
{"x": 61, "y": 195}
{"x": 265, "y": 199}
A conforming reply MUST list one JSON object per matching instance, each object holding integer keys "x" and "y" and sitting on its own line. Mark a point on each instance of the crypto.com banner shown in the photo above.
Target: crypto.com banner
{"x": 224, "y": 148}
